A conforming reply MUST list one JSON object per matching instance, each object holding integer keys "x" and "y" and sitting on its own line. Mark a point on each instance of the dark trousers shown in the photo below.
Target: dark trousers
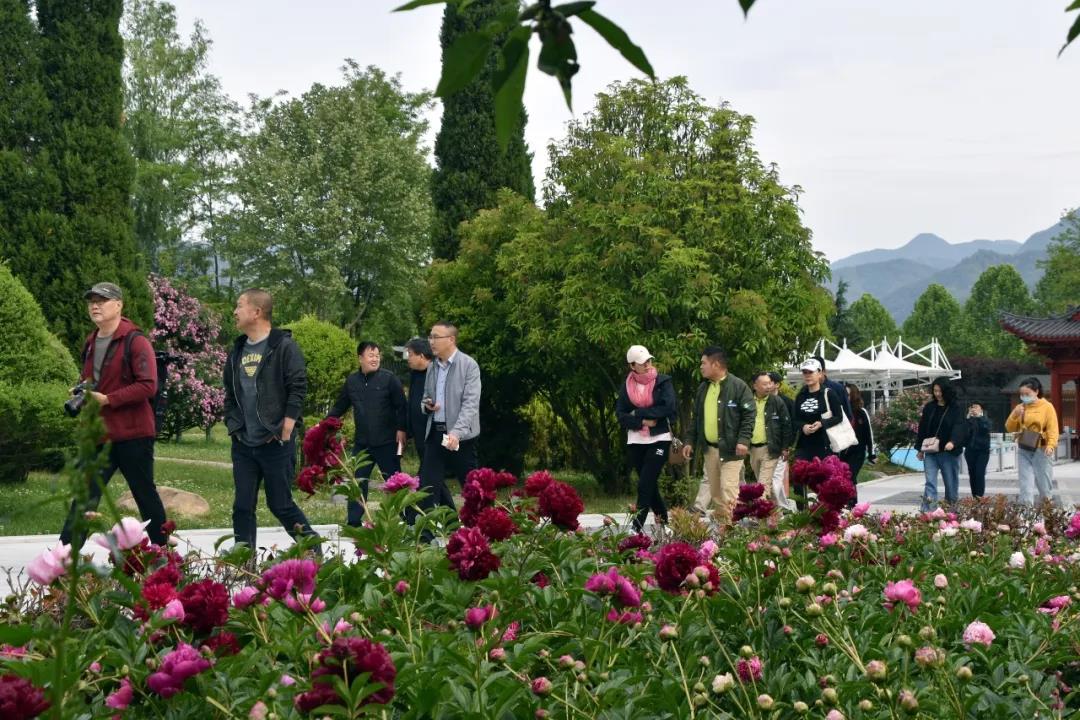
{"x": 649, "y": 461}
{"x": 135, "y": 461}
{"x": 976, "y": 464}
{"x": 437, "y": 460}
{"x": 855, "y": 458}
{"x": 419, "y": 445}
{"x": 273, "y": 463}
{"x": 386, "y": 457}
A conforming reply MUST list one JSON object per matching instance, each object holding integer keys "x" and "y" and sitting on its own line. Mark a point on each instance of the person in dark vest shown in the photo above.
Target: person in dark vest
{"x": 123, "y": 388}
{"x": 265, "y": 380}
{"x": 377, "y": 400}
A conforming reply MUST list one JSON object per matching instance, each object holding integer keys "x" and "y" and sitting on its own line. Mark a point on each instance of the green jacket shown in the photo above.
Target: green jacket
{"x": 735, "y": 414}
{"x": 779, "y": 431}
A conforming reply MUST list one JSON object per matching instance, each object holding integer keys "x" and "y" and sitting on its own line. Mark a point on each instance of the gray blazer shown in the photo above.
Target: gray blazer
{"x": 462, "y": 396}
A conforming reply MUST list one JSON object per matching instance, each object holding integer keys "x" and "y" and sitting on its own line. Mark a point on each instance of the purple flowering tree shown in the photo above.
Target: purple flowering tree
{"x": 184, "y": 327}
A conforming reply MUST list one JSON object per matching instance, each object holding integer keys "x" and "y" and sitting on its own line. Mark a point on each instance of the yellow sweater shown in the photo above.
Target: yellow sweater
{"x": 1039, "y": 416}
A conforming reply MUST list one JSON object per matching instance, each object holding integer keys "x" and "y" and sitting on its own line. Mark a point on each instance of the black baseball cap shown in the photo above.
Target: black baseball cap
{"x": 106, "y": 290}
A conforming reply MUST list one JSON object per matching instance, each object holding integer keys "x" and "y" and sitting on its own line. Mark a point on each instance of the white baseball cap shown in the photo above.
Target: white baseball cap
{"x": 637, "y": 354}
{"x": 810, "y": 364}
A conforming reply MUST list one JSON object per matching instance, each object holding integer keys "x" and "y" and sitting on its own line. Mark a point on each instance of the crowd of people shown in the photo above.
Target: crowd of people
{"x": 737, "y": 427}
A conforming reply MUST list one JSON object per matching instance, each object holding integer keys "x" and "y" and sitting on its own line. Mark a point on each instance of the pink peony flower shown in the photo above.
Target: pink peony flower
{"x": 290, "y": 576}
{"x": 258, "y": 711}
{"x": 749, "y": 669}
{"x": 245, "y": 597}
{"x": 401, "y": 587}
{"x": 304, "y": 602}
{"x": 852, "y": 532}
{"x": 860, "y": 509}
{"x": 125, "y": 535}
{"x": 49, "y": 565}
{"x": 1055, "y": 604}
{"x": 477, "y": 616}
{"x": 287, "y": 680}
{"x": 401, "y": 481}
{"x": 978, "y": 633}
{"x": 903, "y": 592}
{"x": 510, "y": 635}
{"x": 828, "y": 540}
{"x": 180, "y": 664}
{"x": 625, "y": 617}
{"x": 941, "y": 582}
{"x": 707, "y": 550}
{"x": 120, "y": 698}
{"x": 1073, "y": 531}
{"x": 174, "y": 610}
{"x": 541, "y": 686}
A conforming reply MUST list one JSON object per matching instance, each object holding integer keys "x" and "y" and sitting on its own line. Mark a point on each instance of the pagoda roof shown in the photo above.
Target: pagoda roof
{"x": 1065, "y": 326}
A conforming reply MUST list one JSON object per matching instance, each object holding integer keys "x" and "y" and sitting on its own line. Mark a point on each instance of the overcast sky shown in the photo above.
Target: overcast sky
{"x": 896, "y": 118}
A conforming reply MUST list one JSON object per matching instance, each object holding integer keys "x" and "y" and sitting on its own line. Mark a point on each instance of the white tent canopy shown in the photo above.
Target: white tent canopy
{"x": 881, "y": 366}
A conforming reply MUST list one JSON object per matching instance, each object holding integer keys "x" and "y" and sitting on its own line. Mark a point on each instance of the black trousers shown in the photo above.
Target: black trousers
{"x": 389, "y": 462}
{"x": 649, "y": 461}
{"x": 273, "y": 464}
{"x": 437, "y": 460}
{"x": 976, "y": 463}
{"x": 135, "y": 461}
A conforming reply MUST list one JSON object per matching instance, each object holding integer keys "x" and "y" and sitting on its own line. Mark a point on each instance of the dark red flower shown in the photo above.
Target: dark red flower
{"x": 168, "y": 528}
{"x": 167, "y": 574}
{"x": 750, "y": 492}
{"x": 815, "y": 471}
{"x": 486, "y": 477}
{"x": 470, "y": 554}
{"x": 322, "y": 446}
{"x": 223, "y": 644}
{"x": 476, "y": 493}
{"x": 635, "y": 542}
{"x": 20, "y": 699}
{"x": 348, "y": 657}
{"x": 158, "y": 594}
{"x": 206, "y": 605}
{"x": 495, "y": 523}
{"x": 561, "y": 503}
{"x": 836, "y": 492}
{"x": 311, "y": 478}
{"x": 505, "y": 479}
{"x": 535, "y": 483}
{"x": 673, "y": 563}
{"x": 540, "y": 580}
{"x": 827, "y": 518}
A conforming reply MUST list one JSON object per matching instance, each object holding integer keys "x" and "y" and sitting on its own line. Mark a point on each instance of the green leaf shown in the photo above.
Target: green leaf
{"x": 462, "y": 62}
{"x": 1074, "y": 31}
{"x": 618, "y": 39}
{"x": 558, "y": 57}
{"x": 15, "y": 634}
{"x": 1074, "y": 6}
{"x": 574, "y": 8}
{"x": 417, "y": 3}
{"x": 508, "y": 83}
{"x": 746, "y": 5}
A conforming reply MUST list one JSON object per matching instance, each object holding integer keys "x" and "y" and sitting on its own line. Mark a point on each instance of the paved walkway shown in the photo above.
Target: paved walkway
{"x": 899, "y": 493}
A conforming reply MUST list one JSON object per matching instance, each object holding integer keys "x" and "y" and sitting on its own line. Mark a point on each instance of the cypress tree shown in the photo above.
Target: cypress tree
{"x": 470, "y": 165}
{"x": 85, "y": 235}
{"x": 471, "y": 168}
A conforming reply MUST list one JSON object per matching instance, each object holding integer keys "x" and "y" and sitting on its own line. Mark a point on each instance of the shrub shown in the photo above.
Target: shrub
{"x": 28, "y": 351}
{"x": 37, "y": 432}
{"x": 896, "y": 425}
{"x": 330, "y": 355}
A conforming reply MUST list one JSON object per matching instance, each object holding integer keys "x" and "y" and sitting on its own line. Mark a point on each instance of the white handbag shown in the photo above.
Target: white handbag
{"x": 842, "y": 435}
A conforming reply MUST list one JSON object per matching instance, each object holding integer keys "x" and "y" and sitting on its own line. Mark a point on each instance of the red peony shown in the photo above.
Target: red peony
{"x": 495, "y": 523}
{"x": 561, "y": 503}
{"x": 311, "y": 478}
{"x": 486, "y": 478}
{"x": 157, "y": 595}
{"x": 346, "y": 658}
{"x": 816, "y": 471}
{"x": 635, "y": 542}
{"x": 505, "y": 479}
{"x": 535, "y": 483}
{"x": 836, "y": 492}
{"x": 20, "y": 699}
{"x": 206, "y": 605}
{"x": 673, "y": 563}
{"x": 476, "y": 494}
{"x": 540, "y": 580}
{"x": 322, "y": 446}
{"x": 223, "y": 644}
{"x": 470, "y": 554}
{"x": 289, "y": 576}
{"x": 827, "y": 518}
{"x": 750, "y": 492}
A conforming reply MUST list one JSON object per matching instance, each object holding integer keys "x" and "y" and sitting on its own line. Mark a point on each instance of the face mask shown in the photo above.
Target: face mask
{"x": 1027, "y": 399}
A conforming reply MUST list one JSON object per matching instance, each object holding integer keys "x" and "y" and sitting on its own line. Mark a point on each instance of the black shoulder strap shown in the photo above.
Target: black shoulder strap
{"x": 127, "y": 350}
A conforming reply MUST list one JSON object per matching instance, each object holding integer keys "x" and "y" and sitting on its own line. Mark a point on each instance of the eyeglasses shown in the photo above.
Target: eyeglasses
{"x": 438, "y": 337}
{"x": 98, "y": 301}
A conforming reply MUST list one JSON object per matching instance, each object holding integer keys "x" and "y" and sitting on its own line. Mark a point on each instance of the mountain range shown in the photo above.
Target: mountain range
{"x": 897, "y": 277}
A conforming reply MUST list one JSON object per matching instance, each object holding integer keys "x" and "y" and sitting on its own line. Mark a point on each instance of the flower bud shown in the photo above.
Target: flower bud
{"x": 566, "y": 661}
{"x": 814, "y": 610}
{"x": 866, "y": 705}
{"x": 805, "y": 584}
{"x": 669, "y": 632}
{"x": 908, "y": 701}
{"x": 927, "y": 633}
{"x": 271, "y": 692}
{"x": 904, "y": 640}
{"x": 705, "y": 661}
{"x": 830, "y": 695}
{"x": 700, "y": 700}
{"x": 699, "y": 687}
{"x": 800, "y": 707}
{"x": 876, "y": 670}
{"x": 746, "y": 651}
{"x": 497, "y": 655}
{"x": 964, "y": 673}
{"x": 541, "y": 686}
{"x": 582, "y": 678}
{"x": 722, "y": 683}
{"x": 829, "y": 588}
{"x": 765, "y": 702}
{"x": 579, "y": 666}
{"x": 784, "y": 602}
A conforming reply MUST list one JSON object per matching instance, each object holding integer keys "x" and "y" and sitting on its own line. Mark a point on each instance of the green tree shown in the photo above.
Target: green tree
{"x": 840, "y": 323}
{"x": 84, "y": 235}
{"x": 936, "y": 315}
{"x": 663, "y": 227}
{"x": 175, "y": 112}
{"x": 999, "y": 288}
{"x": 330, "y": 355}
{"x": 1059, "y": 287}
{"x": 870, "y": 322}
{"x": 470, "y": 165}
{"x": 334, "y": 204}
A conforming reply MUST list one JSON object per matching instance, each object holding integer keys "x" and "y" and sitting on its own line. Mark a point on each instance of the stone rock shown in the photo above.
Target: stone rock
{"x": 177, "y": 502}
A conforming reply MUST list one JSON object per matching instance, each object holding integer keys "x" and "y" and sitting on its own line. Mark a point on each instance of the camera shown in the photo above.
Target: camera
{"x": 74, "y": 404}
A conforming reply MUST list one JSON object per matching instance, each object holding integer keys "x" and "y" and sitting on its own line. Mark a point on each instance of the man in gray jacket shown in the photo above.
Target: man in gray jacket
{"x": 452, "y": 404}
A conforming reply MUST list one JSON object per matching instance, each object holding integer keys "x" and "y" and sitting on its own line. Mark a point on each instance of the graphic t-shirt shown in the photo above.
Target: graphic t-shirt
{"x": 254, "y": 432}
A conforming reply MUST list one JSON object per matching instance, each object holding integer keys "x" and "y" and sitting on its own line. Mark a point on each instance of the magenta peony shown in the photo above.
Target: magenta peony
{"x": 401, "y": 481}
{"x": 290, "y": 576}
{"x": 180, "y": 664}
{"x": 560, "y": 503}
{"x": 20, "y": 699}
{"x": 122, "y": 696}
{"x": 673, "y": 563}
{"x": 902, "y": 592}
{"x": 346, "y": 658}
{"x": 749, "y": 669}
{"x": 635, "y": 542}
{"x": 1073, "y": 531}
{"x": 470, "y": 554}
{"x": 477, "y": 616}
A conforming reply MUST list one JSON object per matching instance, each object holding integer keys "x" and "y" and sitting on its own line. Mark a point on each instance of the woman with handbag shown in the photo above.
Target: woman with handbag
{"x": 817, "y": 408}
{"x": 644, "y": 409}
{"x": 940, "y": 441}
{"x": 1035, "y": 423}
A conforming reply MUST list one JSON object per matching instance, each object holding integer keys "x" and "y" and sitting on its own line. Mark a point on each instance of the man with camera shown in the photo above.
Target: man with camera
{"x": 120, "y": 373}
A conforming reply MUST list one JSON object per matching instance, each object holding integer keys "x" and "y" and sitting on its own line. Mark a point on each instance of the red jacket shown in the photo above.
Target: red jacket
{"x": 128, "y": 415}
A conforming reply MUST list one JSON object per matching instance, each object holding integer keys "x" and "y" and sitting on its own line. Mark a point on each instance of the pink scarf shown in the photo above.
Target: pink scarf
{"x": 639, "y": 386}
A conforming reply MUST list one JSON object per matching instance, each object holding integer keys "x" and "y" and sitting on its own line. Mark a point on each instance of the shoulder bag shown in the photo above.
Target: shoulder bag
{"x": 1029, "y": 439}
{"x": 933, "y": 444}
{"x": 842, "y": 435}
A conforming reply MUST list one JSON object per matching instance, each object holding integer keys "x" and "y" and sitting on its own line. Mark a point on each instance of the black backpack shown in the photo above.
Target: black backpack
{"x": 159, "y": 402}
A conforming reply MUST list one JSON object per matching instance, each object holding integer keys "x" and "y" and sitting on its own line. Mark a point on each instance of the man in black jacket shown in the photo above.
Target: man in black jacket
{"x": 378, "y": 406}
{"x": 265, "y": 382}
{"x": 419, "y": 357}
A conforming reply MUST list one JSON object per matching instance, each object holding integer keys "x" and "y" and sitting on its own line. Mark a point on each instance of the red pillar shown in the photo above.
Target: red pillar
{"x": 1055, "y": 393}
{"x": 1076, "y": 418}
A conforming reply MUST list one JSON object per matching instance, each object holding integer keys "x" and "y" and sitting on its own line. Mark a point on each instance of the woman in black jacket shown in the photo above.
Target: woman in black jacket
{"x": 977, "y": 451}
{"x": 645, "y": 408}
{"x": 858, "y": 454}
{"x": 940, "y": 441}
{"x": 812, "y": 401}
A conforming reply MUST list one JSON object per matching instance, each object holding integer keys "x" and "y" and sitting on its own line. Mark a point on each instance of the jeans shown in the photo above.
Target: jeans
{"x": 976, "y": 465}
{"x": 649, "y": 461}
{"x": 949, "y": 466}
{"x": 389, "y": 462}
{"x": 1036, "y": 472}
{"x": 273, "y": 463}
{"x": 135, "y": 460}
